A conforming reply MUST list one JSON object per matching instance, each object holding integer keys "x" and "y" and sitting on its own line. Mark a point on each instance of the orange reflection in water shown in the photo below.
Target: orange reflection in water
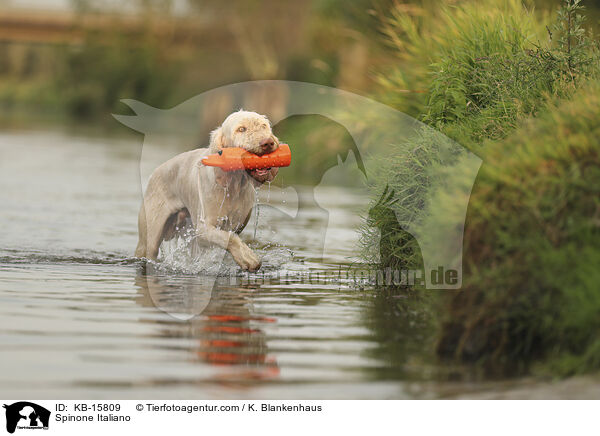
{"x": 226, "y": 330}
{"x": 237, "y": 344}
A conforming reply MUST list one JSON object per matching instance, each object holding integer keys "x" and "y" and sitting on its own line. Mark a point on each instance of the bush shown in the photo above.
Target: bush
{"x": 533, "y": 228}
{"x": 401, "y": 185}
{"x": 473, "y": 71}
{"x": 496, "y": 75}
{"x": 428, "y": 39}
{"x": 456, "y": 32}
{"x": 487, "y": 77}
{"x": 529, "y": 278}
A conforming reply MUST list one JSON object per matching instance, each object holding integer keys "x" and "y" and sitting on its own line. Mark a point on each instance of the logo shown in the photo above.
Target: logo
{"x": 26, "y": 415}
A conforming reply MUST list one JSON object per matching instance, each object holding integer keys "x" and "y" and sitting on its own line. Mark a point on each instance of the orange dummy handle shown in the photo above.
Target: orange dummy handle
{"x": 235, "y": 158}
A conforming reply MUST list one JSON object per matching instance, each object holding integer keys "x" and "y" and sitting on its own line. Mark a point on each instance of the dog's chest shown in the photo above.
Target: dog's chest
{"x": 234, "y": 208}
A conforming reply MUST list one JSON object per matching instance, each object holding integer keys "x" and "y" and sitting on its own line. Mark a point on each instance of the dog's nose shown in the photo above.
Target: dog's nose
{"x": 267, "y": 145}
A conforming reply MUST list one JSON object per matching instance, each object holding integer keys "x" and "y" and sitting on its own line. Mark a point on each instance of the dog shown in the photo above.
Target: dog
{"x": 217, "y": 202}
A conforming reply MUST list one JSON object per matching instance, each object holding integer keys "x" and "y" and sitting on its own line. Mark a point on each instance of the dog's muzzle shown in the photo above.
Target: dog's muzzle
{"x": 268, "y": 145}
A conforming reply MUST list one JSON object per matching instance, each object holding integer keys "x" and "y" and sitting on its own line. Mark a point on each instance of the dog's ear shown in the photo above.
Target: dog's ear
{"x": 217, "y": 140}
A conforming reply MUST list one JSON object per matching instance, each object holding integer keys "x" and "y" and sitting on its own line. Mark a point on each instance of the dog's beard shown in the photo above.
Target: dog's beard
{"x": 260, "y": 175}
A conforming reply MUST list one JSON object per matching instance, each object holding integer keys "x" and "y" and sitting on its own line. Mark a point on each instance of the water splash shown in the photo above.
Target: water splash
{"x": 185, "y": 254}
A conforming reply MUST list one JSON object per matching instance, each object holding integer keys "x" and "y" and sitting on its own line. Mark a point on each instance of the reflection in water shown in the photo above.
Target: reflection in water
{"x": 226, "y": 332}
{"x": 402, "y": 325}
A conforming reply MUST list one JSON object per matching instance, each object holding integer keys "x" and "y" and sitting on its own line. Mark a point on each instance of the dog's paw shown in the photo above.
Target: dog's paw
{"x": 254, "y": 265}
{"x": 247, "y": 259}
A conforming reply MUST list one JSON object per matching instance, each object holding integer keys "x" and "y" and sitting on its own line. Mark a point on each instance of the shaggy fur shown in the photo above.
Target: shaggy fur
{"x": 218, "y": 203}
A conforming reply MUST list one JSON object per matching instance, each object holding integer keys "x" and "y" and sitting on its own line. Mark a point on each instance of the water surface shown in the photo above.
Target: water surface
{"x": 80, "y": 318}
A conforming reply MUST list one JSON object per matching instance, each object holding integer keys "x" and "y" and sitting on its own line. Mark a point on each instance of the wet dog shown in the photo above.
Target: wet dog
{"x": 219, "y": 203}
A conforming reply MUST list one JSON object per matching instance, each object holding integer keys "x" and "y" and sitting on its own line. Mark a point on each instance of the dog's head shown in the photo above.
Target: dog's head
{"x": 247, "y": 130}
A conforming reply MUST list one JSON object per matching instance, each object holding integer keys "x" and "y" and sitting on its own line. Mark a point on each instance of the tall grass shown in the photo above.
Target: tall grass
{"x": 474, "y": 70}
{"x": 425, "y": 40}
{"x": 479, "y": 71}
{"x": 531, "y": 248}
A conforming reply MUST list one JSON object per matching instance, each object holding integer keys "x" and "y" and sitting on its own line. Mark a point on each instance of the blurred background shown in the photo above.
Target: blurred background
{"x": 63, "y": 60}
{"x": 74, "y": 59}
{"x": 66, "y": 64}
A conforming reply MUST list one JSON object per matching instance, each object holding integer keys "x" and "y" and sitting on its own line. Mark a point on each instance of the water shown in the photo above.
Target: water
{"x": 80, "y": 318}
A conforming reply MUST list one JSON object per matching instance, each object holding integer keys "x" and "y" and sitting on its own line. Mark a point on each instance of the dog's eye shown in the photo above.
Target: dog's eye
{"x": 241, "y": 129}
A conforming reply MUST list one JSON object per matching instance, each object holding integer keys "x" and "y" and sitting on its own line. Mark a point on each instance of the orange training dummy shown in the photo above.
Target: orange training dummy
{"x": 235, "y": 158}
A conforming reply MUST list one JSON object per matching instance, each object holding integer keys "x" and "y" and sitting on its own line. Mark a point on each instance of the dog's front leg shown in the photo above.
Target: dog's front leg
{"x": 242, "y": 254}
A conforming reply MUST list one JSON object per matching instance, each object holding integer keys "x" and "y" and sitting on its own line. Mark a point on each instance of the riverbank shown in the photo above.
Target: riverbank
{"x": 529, "y": 109}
